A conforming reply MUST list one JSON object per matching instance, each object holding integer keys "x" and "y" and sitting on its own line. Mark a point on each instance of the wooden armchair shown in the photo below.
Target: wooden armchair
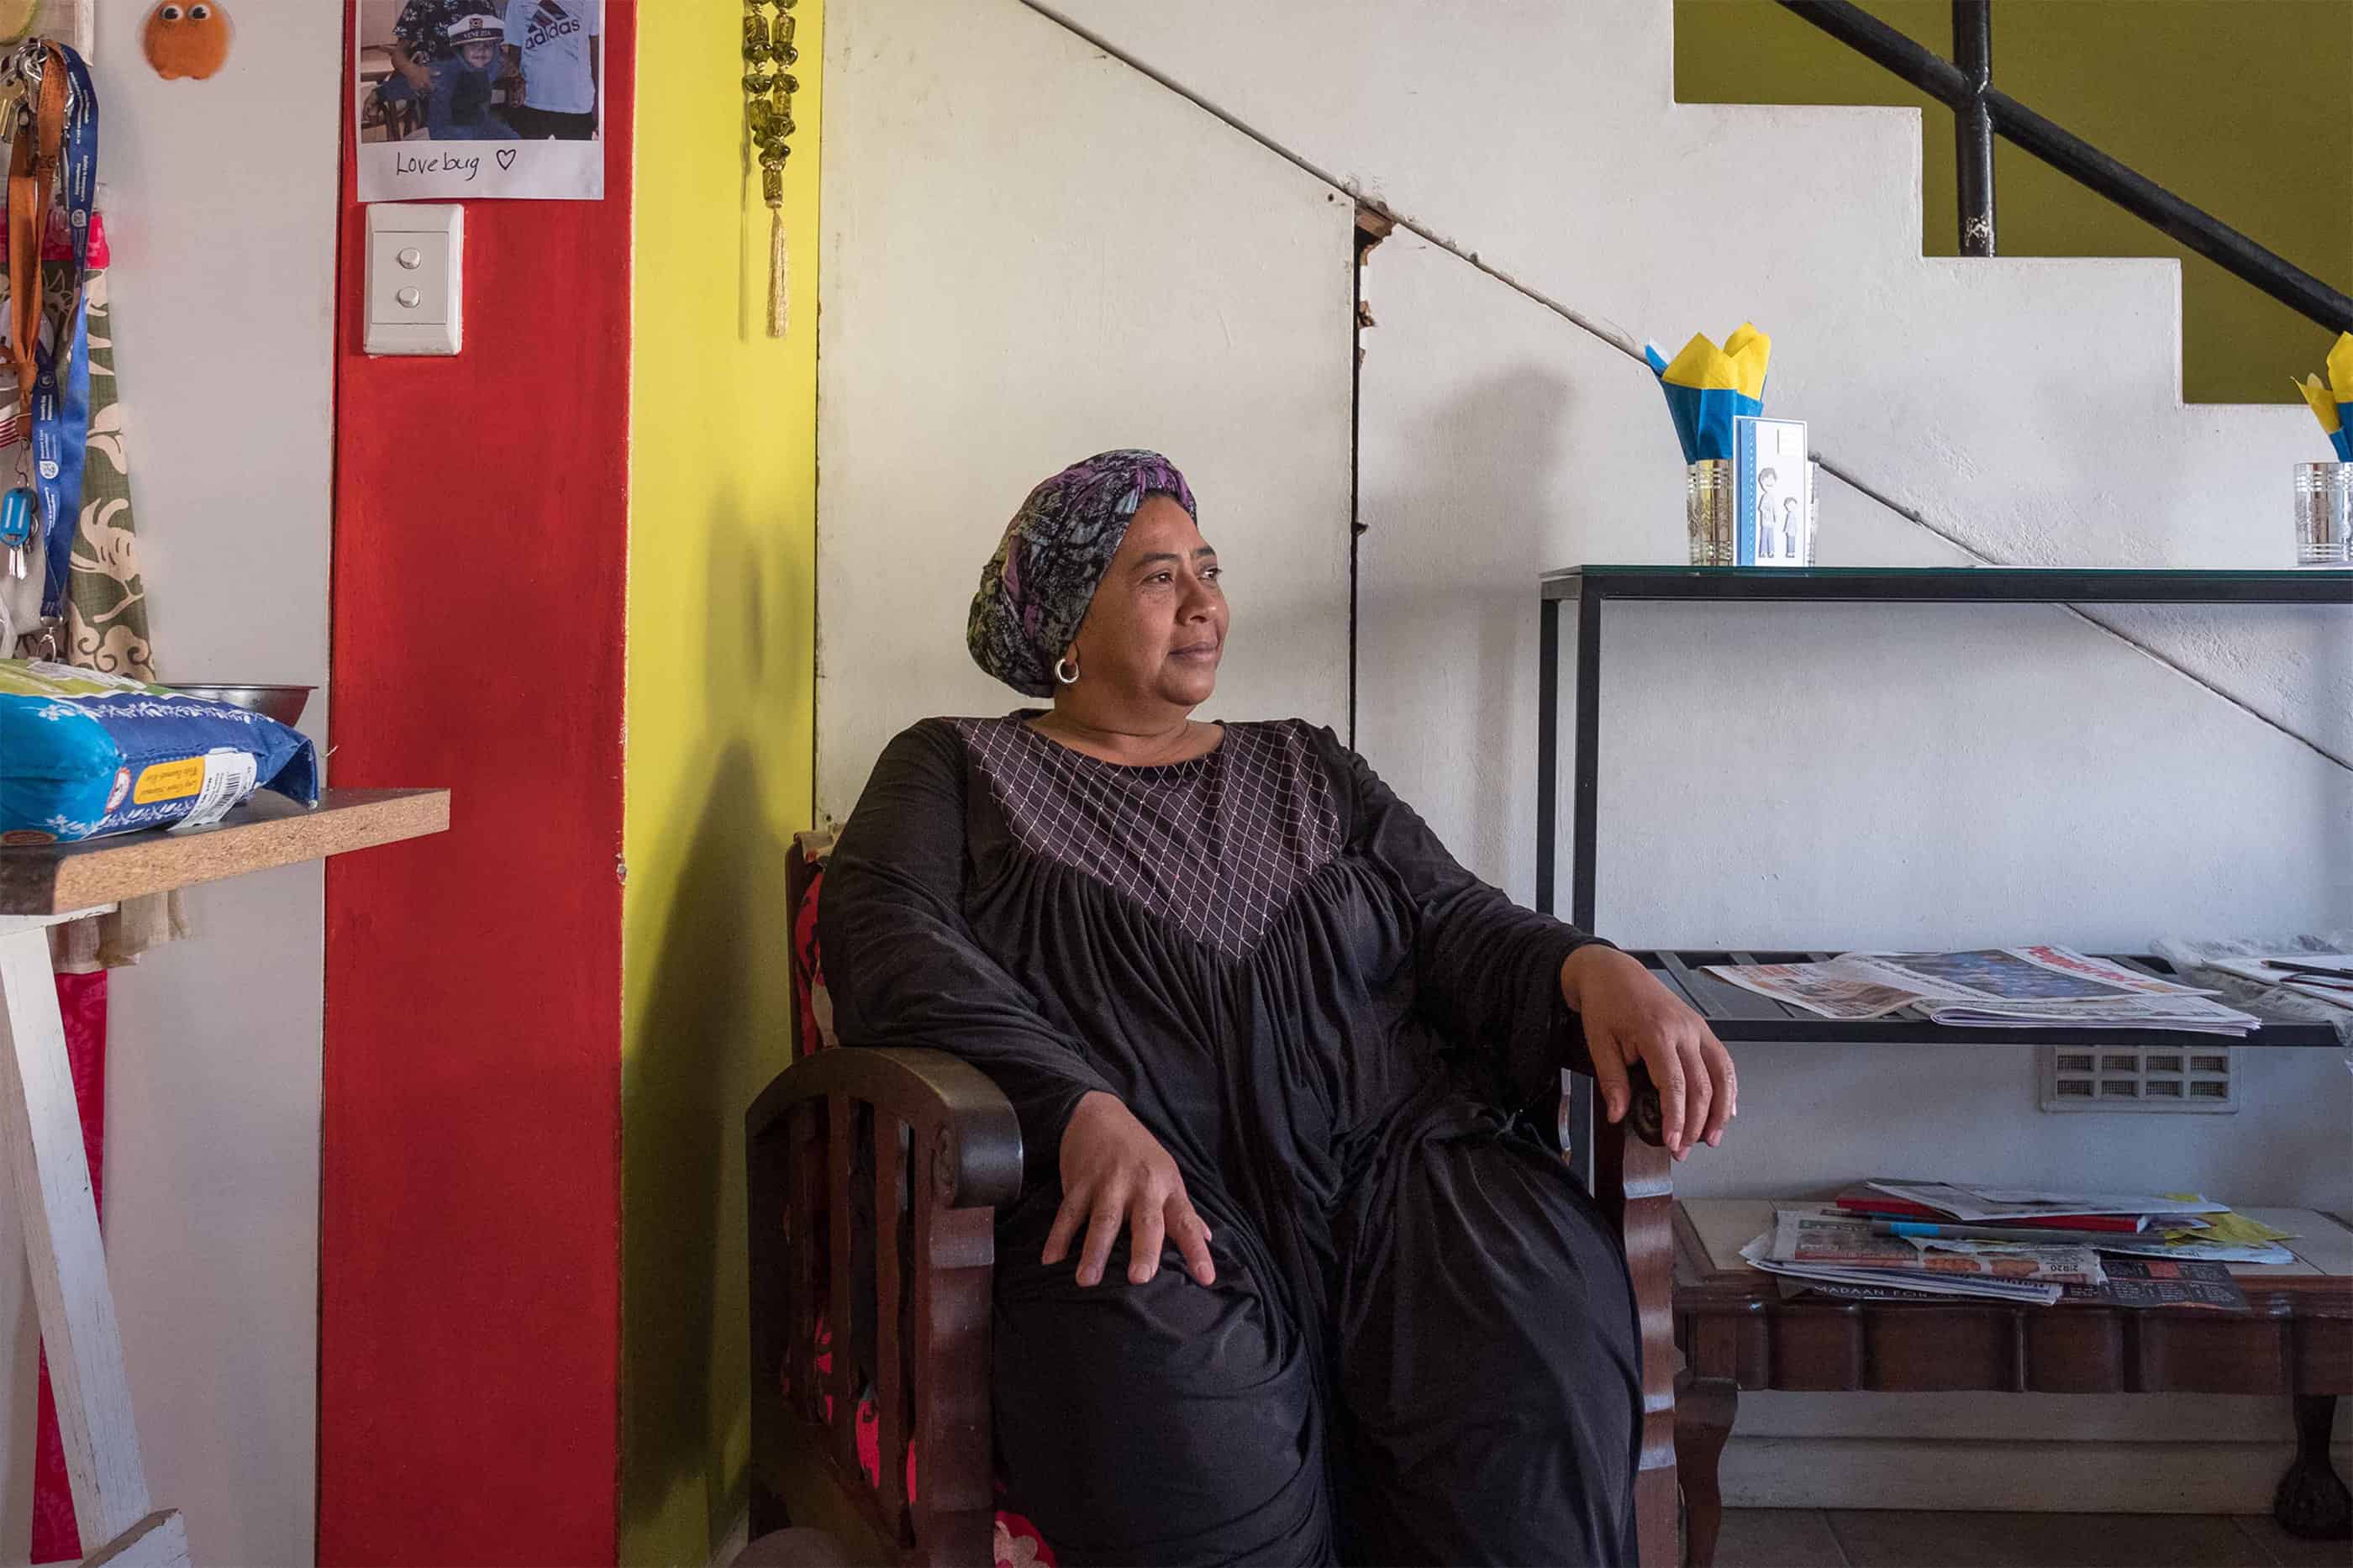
{"x": 874, "y": 1176}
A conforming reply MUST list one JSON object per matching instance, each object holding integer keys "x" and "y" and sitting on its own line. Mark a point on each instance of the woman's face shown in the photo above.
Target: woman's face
{"x": 1157, "y": 626}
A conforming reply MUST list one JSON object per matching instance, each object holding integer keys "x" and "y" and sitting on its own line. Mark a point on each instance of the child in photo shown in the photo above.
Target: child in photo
{"x": 559, "y": 43}
{"x": 463, "y": 81}
{"x": 429, "y": 70}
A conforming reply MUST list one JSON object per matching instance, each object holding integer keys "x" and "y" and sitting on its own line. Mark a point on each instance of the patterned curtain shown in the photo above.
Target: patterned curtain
{"x": 106, "y": 612}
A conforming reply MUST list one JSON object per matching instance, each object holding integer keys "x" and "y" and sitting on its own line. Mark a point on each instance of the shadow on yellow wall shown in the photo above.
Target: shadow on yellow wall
{"x": 722, "y": 615}
{"x": 2235, "y": 105}
{"x": 707, "y": 1003}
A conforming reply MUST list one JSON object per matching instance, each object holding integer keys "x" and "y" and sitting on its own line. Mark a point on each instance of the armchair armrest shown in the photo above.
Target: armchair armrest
{"x": 977, "y": 1163}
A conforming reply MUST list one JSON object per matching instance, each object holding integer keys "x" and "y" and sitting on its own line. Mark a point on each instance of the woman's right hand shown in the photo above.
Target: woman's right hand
{"x": 1115, "y": 1173}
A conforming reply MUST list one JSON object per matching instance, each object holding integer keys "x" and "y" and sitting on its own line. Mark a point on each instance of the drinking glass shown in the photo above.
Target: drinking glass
{"x": 2323, "y": 514}
{"x": 1707, "y": 511}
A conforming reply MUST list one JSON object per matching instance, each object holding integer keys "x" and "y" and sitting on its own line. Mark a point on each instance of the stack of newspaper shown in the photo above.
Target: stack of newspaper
{"x": 1998, "y": 988}
{"x": 1895, "y": 1240}
{"x": 2326, "y": 975}
{"x": 1838, "y": 1254}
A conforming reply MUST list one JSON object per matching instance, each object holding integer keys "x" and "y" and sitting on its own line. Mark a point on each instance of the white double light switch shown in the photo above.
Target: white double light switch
{"x": 415, "y": 295}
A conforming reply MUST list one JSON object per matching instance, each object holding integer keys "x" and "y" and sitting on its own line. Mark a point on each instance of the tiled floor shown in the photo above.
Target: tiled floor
{"x": 1809, "y": 1537}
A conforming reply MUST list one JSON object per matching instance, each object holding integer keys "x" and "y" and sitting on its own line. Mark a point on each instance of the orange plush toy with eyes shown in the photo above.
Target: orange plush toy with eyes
{"x": 186, "y": 38}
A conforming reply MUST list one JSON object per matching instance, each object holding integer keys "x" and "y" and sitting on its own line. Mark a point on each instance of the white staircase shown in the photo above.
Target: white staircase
{"x": 2028, "y": 408}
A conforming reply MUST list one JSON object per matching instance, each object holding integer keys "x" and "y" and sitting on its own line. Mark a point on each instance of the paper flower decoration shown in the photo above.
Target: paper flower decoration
{"x": 2333, "y": 404}
{"x": 1707, "y": 388}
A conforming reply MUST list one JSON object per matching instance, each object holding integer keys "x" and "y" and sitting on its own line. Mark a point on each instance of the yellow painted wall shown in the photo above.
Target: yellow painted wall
{"x": 722, "y": 621}
{"x": 2240, "y": 106}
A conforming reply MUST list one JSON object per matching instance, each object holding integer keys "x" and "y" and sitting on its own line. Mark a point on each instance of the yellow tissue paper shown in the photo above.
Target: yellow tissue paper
{"x": 1738, "y": 366}
{"x": 2233, "y": 1229}
{"x": 2324, "y": 402}
{"x": 2333, "y": 405}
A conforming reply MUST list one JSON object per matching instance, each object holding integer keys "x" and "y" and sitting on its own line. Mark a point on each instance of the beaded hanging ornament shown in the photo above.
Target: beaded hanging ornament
{"x": 768, "y": 88}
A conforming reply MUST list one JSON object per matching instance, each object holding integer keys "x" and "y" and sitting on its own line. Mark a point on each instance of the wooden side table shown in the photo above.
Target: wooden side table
{"x": 40, "y": 888}
{"x": 1736, "y": 1331}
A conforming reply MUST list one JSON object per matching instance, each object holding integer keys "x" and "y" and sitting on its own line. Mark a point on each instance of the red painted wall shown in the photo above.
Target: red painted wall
{"x": 469, "y": 1276}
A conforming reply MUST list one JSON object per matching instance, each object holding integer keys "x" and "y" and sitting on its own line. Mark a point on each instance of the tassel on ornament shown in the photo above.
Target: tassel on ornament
{"x": 780, "y": 276}
{"x": 768, "y": 88}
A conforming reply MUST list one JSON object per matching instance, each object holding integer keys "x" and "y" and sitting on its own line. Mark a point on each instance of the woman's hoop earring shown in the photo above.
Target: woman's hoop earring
{"x": 1070, "y": 676}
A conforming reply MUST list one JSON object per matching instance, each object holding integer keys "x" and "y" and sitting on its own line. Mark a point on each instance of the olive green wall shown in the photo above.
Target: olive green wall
{"x": 2244, "y": 106}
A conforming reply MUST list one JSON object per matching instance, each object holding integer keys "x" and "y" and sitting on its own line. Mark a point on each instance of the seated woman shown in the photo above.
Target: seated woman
{"x": 1268, "y": 1045}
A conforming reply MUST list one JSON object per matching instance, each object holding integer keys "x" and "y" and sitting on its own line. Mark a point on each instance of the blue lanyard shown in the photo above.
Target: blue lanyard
{"x": 61, "y": 391}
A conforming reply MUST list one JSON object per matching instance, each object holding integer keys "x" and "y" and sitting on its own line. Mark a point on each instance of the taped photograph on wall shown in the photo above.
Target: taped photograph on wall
{"x": 461, "y": 99}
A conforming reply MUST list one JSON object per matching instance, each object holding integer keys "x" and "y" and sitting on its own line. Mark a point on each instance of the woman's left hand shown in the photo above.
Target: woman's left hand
{"x": 1629, "y": 1018}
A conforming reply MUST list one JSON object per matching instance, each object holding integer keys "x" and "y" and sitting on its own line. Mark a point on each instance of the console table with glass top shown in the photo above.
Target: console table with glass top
{"x": 1727, "y": 1320}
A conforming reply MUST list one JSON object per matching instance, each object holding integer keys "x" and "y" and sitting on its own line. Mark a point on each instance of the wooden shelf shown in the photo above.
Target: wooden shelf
{"x": 265, "y": 832}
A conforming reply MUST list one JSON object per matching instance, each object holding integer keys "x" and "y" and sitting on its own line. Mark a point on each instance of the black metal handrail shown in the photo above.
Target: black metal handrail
{"x": 1982, "y": 112}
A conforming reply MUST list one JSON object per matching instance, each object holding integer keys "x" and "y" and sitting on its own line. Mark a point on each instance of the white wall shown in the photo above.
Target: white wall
{"x": 221, "y": 208}
{"x": 1031, "y": 255}
{"x": 1824, "y": 776}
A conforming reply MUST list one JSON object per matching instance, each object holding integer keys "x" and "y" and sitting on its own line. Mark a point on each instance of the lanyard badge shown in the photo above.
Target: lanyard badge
{"x": 17, "y": 516}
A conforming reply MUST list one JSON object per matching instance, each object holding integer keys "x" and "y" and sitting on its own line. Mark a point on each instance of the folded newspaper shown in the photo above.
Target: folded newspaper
{"x": 2328, "y": 975}
{"x": 2226, "y": 1238}
{"x": 2132, "y": 1282}
{"x": 1998, "y": 988}
{"x": 2153, "y": 1283}
{"x": 1826, "y": 1244}
{"x": 2184, "y": 1226}
{"x": 2284, "y": 995}
{"x": 2013, "y": 1204}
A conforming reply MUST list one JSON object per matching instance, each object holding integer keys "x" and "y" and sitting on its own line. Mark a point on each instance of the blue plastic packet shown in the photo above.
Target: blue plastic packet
{"x": 84, "y": 754}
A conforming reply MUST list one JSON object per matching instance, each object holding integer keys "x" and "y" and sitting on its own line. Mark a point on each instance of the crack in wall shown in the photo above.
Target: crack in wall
{"x": 1625, "y": 345}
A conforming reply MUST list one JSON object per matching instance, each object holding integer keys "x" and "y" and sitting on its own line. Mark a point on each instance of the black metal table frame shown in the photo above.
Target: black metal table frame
{"x": 1592, "y": 586}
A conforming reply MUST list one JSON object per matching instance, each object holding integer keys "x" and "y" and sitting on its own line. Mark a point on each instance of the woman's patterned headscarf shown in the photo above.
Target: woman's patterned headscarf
{"x": 1035, "y": 590}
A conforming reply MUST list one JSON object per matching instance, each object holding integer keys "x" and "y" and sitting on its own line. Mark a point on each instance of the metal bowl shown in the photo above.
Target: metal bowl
{"x": 283, "y": 703}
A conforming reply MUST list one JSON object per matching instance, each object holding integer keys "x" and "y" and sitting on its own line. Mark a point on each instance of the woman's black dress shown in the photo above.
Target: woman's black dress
{"x": 1420, "y": 1346}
